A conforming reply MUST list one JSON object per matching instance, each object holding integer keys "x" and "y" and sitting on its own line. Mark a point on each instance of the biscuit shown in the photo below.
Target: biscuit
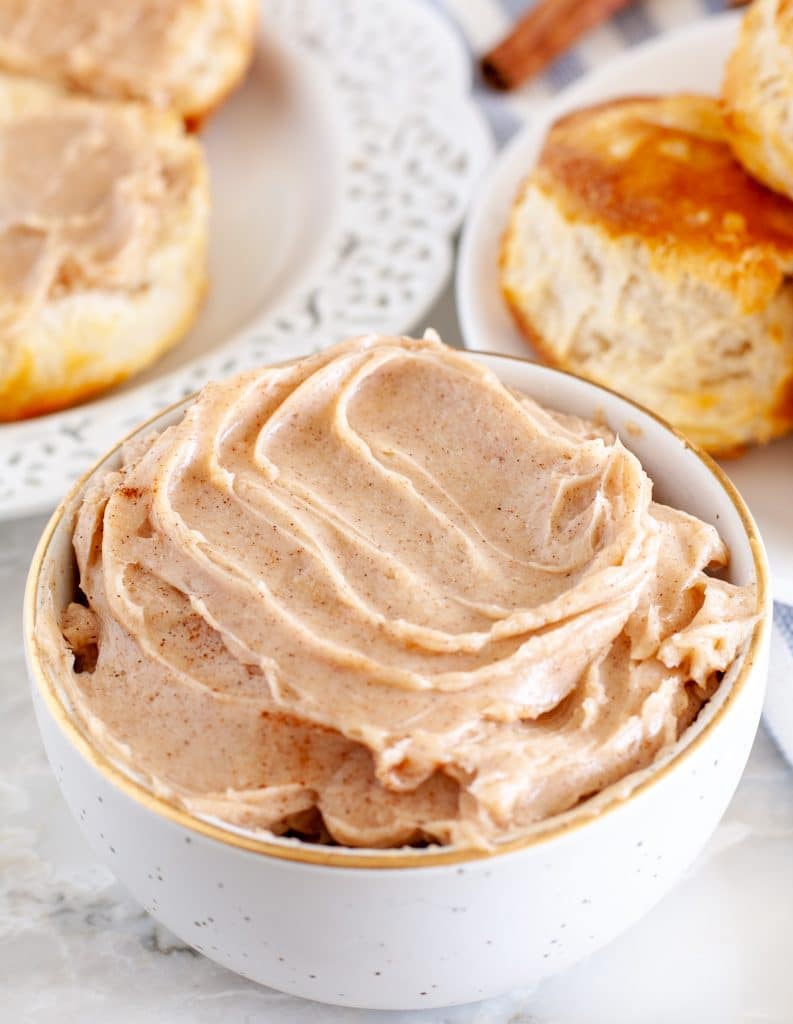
{"x": 758, "y": 94}
{"x": 104, "y": 211}
{"x": 641, "y": 255}
{"x": 183, "y": 55}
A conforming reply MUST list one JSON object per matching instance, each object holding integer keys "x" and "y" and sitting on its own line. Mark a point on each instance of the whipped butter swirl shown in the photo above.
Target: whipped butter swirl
{"x": 376, "y": 597}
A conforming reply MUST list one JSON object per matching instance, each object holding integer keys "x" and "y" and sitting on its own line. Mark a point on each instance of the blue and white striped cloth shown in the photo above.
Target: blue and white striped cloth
{"x": 482, "y": 23}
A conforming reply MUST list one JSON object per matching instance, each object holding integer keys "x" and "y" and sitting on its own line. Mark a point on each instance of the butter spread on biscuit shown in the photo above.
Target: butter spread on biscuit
{"x": 82, "y": 195}
{"x": 112, "y": 48}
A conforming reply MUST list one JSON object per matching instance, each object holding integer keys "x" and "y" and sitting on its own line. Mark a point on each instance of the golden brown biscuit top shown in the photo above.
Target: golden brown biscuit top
{"x": 661, "y": 170}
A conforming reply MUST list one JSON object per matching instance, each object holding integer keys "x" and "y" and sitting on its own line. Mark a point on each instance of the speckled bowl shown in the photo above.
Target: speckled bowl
{"x": 421, "y": 928}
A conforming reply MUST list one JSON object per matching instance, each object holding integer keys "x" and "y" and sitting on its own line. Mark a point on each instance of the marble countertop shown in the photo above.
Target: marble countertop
{"x": 75, "y": 948}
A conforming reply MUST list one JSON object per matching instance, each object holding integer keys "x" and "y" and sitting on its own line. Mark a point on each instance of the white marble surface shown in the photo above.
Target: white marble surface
{"x": 75, "y": 948}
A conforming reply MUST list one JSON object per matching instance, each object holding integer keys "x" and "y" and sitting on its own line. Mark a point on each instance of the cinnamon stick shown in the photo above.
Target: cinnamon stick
{"x": 548, "y": 29}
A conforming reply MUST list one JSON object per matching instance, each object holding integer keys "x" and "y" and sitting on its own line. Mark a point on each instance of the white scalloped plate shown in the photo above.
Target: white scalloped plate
{"x": 340, "y": 173}
{"x": 690, "y": 59}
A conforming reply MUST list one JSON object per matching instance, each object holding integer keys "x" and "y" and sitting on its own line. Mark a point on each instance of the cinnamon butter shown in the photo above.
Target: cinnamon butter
{"x": 84, "y": 191}
{"x": 111, "y": 48}
{"x": 375, "y": 597}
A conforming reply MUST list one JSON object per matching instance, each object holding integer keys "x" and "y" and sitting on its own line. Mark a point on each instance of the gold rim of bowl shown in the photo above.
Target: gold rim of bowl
{"x": 432, "y": 856}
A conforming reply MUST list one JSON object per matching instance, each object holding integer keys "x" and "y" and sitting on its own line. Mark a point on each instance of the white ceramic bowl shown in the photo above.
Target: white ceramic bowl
{"x": 421, "y": 928}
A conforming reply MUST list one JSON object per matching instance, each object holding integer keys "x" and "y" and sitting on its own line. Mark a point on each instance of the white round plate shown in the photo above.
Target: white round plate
{"x": 688, "y": 60}
{"x": 340, "y": 173}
